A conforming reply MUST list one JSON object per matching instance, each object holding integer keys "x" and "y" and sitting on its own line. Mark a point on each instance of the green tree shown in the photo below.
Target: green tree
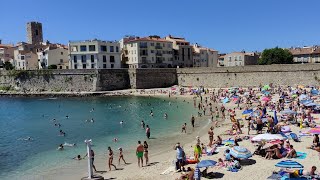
{"x": 8, "y": 66}
{"x": 275, "y": 56}
{"x": 52, "y": 66}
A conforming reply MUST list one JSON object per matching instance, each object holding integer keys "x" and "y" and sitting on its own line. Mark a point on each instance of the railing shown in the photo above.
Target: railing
{"x": 158, "y": 47}
{"x": 143, "y": 54}
{"x": 143, "y": 46}
{"x": 158, "y": 54}
{"x": 159, "y": 61}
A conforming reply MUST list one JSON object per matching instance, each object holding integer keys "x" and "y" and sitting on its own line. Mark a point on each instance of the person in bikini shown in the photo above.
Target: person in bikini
{"x": 210, "y": 132}
{"x": 111, "y": 159}
{"x": 145, "y": 150}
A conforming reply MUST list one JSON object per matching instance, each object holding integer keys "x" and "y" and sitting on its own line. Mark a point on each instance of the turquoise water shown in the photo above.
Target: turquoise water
{"x": 23, "y": 117}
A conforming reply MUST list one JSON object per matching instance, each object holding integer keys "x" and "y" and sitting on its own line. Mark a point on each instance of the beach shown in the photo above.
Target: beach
{"x": 162, "y": 154}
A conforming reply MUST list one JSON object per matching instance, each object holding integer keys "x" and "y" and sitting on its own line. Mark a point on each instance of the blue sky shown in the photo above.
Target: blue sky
{"x": 225, "y": 25}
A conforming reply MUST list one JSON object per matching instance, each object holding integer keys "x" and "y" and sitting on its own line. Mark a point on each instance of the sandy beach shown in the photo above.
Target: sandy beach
{"x": 162, "y": 155}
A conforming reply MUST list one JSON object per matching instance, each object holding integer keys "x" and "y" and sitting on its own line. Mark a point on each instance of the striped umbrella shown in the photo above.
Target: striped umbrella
{"x": 289, "y": 164}
{"x": 314, "y": 131}
{"x": 197, "y": 173}
{"x": 240, "y": 152}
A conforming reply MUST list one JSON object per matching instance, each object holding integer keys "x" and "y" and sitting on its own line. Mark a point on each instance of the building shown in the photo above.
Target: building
{"x": 204, "y": 57}
{"x": 94, "y": 54}
{"x": 54, "y": 54}
{"x": 240, "y": 59}
{"x": 34, "y": 33}
{"x": 221, "y": 60}
{"x": 6, "y": 53}
{"x": 307, "y": 54}
{"x": 25, "y": 60}
{"x": 182, "y": 51}
{"x": 147, "y": 52}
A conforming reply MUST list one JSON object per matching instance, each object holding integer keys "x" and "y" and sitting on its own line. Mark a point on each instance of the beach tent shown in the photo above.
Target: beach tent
{"x": 240, "y": 152}
{"x": 267, "y": 137}
{"x": 289, "y": 164}
{"x": 248, "y": 111}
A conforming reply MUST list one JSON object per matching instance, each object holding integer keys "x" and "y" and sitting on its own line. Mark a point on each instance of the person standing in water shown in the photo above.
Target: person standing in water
{"x": 184, "y": 128}
{"x": 111, "y": 159}
{"x": 145, "y": 147}
{"x": 143, "y": 125}
{"x": 121, "y": 156}
{"x": 139, "y": 153}
{"x": 148, "y": 132}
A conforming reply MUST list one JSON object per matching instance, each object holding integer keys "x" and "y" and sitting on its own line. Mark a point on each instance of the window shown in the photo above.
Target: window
{"x": 75, "y": 66}
{"x": 104, "y": 48}
{"x": 151, "y": 44}
{"x": 152, "y": 51}
{"x": 22, "y": 57}
{"x": 112, "y": 65}
{"x": 37, "y": 32}
{"x": 83, "y": 58}
{"x": 61, "y": 53}
{"x": 61, "y": 60}
{"x": 60, "y": 67}
{"x": 74, "y": 48}
{"x": 92, "y": 66}
{"x": 83, "y": 48}
{"x": 229, "y": 58}
{"x": 84, "y": 66}
{"x": 67, "y": 67}
{"x": 92, "y": 58}
{"x": 104, "y": 66}
{"x": 240, "y": 58}
{"x": 104, "y": 59}
{"x": 92, "y": 48}
{"x": 111, "y": 49}
{"x": 75, "y": 59}
{"x": 117, "y": 49}
{"x": 112, "y": 59}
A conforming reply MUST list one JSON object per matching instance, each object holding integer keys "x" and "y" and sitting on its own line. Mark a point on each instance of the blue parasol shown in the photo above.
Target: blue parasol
{"x": 206, "y": 163}
{"x": 289, "y": 164}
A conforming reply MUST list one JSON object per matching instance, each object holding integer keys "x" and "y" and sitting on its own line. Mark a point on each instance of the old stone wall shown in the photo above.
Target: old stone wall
{"x": 112, "y": 79}
{"x": 289, "y": 75}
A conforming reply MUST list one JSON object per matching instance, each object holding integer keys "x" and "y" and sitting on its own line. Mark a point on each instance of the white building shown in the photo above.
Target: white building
{"x": 204, "y": 57}
{"x": 147, "y": 52}
{"x": 54, "y": 54}
{"x": 94, "y": 54}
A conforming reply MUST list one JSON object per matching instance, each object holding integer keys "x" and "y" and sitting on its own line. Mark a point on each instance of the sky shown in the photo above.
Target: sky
{"x": 224, "y": 25}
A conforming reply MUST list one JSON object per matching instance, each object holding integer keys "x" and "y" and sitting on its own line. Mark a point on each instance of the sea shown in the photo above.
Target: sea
{"x": 21, "y": 118}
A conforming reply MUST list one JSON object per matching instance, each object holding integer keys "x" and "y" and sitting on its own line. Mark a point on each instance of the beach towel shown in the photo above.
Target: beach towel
{"x": 168, "y": 171}
{"x": 295, "y": 137}
{"x": 301, "y": 155}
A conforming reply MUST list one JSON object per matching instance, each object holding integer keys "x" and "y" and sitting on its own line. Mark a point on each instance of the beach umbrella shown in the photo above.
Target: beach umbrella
{"x": 265, "y": 98}
{"x": 206, "y": 163}
{"x": 314, "y": 131}
{"x": 288, "y": 111}
{"x": 314, "y": 91}
{"x": 302, "y": 97}
{"x": 267, "y": 137}
{"x": 197, "y": 173}
{"x": 240, "y": 152}
{"x": 266, "y": 87}
{"x": 310, "y": 104}
{"x": 248, "y": 111}
{"x": 289, "y": 164}
{"x": 225, "y": 100}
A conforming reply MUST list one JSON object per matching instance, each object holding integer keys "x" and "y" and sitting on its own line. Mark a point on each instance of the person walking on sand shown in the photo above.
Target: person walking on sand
{"x": 210, "y": 132}
{"x": 121, "y": 156}
{"x": 92, "y": 159}
{"x": 184, "y": 128}
{"x": 192, "y": 121}
{"x": 148, "y": 132}
{"x": 110, "y": 161}
{"x": 145, "y": 148}
{"x": 139, "y": 153}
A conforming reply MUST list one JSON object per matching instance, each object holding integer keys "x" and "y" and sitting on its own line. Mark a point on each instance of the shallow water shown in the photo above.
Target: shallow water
{"x": 23, "y": 117}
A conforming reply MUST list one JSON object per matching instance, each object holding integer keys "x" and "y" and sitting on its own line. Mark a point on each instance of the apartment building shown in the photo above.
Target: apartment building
{"x": 221, "y": 60}
{"x": 25, "y": 60}
{"x": 94, "y": 54}
{"x": 204, "y": 57}
{"x": 54, "y": 54}
{"x": 182, "y": 51}
{"x": 306, "y": 54}
{"x": 147, "y": 52}
{"x": 240, "y": 59}
{"x": 6, "y": 53}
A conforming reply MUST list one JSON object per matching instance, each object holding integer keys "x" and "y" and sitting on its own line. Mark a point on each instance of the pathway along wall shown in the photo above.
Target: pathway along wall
{"x": 288, "y": 75}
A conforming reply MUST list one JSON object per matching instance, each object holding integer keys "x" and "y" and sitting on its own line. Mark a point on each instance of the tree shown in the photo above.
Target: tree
{"x": 8, "y": 66}
{"x": 275, "y": 56}
{"x": 52, "y": 66}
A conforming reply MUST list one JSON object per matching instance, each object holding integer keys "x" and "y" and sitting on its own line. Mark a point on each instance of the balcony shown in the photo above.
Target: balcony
{"x": 143, "y": 46}
{"x": 158, "y": 54}
{"x": 143, "y": 54}
{"x": 158, "y": 47}
{"x": 144, "y": 61}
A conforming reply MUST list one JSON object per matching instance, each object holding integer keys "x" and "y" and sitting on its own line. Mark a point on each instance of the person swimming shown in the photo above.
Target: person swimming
{"x": 78, "y": 157}
{"x": 61, "y": 133}
{"x": 92, "y": 110}
{"x": 151, "y": 113}
{"x": 165, "y": 115}
{"x": 121, "y": 122}
{"x": 67, "y": 116}
{"x": 60, "y": 148}
{"x": 143, "y": 125}
{"x": 69, "y": 145}
{"x": 115, "y": 140}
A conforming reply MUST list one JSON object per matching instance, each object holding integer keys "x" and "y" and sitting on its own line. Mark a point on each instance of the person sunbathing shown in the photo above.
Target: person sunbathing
{"x": 218, "y": 141}
{"x": 301, "y": 172}
{"x": 292, "y": 153}
{"x": 274, "y": 152}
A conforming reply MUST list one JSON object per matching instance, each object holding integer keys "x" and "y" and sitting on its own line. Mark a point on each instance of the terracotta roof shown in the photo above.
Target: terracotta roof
{"x": 5, "y": 46}
{"x": 306, "y": 50}
{"x": 147, "y": 39}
